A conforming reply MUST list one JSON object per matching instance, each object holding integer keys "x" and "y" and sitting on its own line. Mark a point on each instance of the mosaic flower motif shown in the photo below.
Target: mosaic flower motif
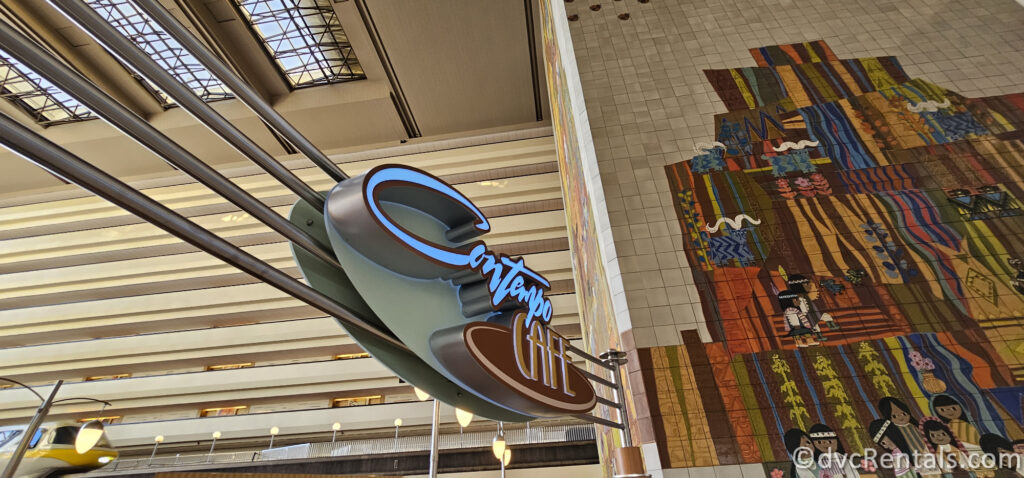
{"x": 920, "y": 362}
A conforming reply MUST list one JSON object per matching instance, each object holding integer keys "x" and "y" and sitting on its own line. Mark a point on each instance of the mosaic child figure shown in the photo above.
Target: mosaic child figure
{"x": 891, "y": 441}
{"x": 949, "y": 453}
{"x": 953, "y": 415}
{"x": 898, "y": 413}
{"x": 798, "y": 446}
{"x": 1010, "y": 463}
{"x": 826, "y": 442}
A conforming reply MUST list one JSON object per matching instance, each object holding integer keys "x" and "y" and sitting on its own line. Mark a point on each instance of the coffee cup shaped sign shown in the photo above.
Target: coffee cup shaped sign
{"x": 408, "y": 242}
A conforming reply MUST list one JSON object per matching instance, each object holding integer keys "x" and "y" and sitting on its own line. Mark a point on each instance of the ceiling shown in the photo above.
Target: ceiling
{"x": 432, "y": 69}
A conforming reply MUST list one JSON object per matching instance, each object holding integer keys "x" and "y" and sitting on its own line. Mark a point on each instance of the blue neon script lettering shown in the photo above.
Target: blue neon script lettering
{"x": 507, "y": 279}
{"x": 509, "y": 283}
{"x": 429, "y": 249}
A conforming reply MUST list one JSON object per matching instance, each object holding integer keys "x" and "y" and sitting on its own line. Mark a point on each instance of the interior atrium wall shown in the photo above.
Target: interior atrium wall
{"x": 815, "y": 207}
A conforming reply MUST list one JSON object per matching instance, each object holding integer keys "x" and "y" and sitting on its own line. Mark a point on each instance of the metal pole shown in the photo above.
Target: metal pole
{"x": 598, "y": 420}
{"x": 59, "y": 161}
{"x": 434, "y": 439}
{"x": 334, "y": 435}
{"x": 271, "y": 442}
{"x": 590, "y": 358}
{"x": 156, "y": 445}
{"x": 128, "y": 52}
{"x": 396, "y": 439}
{"x": 34, "y": 57}
{"x": 30, "y": 431}
{"x": 239, "y": 87}
{"x": 210, "y": 455}
{"x": 616, "y": 359}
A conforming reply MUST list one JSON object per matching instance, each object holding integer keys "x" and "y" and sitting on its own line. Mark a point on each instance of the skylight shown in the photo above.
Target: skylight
{"x": 46, "y": 103}
{"x": 305, "y": 39}
{"x": 161, "y": 47}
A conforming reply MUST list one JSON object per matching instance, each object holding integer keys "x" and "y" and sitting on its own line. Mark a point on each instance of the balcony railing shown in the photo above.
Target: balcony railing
{"x": 519, "y": 435}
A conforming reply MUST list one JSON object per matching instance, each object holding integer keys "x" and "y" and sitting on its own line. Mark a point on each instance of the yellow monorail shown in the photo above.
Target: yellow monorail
{"x": 52, "y": 451}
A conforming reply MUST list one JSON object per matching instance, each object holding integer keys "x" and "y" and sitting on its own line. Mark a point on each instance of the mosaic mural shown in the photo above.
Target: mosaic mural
{"x": 575, "y": 151}
{"x": 857, "y": 239}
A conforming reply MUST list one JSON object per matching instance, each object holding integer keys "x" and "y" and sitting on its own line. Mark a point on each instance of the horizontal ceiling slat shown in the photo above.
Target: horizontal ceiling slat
{"x": 90, "y": 290}
{"x": 174, "y": 273}
{"x": 451, "y": 162}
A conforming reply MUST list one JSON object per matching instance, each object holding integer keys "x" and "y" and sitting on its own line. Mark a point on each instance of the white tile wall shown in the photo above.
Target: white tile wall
{"x": 649, "y": 102}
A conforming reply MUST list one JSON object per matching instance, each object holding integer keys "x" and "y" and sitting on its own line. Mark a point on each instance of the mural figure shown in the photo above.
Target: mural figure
{"x": 801, "y": 316}
{"x": 944, "y": 446}
{"x": 1009, "y": 462}
{"x": 953, "y": 415}
{"x": 798, "y": 446}
{"x": 807, "y": 293}
{"x": 826, "y": 442}
{"x": 798, "y": 323}
{"x": 890, "y": 440}
{"x": 898, "y": 413}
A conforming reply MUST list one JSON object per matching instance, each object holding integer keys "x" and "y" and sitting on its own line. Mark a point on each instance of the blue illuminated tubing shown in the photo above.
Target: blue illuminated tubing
{"x": 385, "y": 175}
{"x": 377, "y": 178}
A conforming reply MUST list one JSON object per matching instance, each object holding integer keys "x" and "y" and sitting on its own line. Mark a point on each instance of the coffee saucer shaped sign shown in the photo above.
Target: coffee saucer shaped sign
{"x": 407, "y": 240}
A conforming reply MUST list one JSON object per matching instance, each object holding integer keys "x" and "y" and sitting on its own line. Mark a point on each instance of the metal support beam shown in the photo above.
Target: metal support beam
{"x": 617, "y": 359}
{"x": 590, "y": 358}
{"x": 236, "y": 84}
{"x": 598, "y": 420}
{"x": 108, "y": 36}
{"x": 607, "y": 403}
{"x": 59, "y": 161}
{"x": 434, "y": 439}
{"x": 33, "y": 426}
{"x": 597, "y": 379}
{"x": 24, "y": 49}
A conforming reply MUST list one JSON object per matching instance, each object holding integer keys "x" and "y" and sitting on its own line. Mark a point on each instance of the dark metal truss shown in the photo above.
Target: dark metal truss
{"x": 305, "y": 39}
{"x": 164, "y": 49}
{"x": 47, "y": 104}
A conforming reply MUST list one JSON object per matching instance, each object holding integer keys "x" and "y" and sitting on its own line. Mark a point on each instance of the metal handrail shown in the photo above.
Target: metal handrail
{"x": 371, "y": 446}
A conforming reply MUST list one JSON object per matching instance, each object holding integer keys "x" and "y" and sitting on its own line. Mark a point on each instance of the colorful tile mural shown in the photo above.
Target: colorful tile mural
{"x": 857, "y": 239}
{"x": 575, "y": 152}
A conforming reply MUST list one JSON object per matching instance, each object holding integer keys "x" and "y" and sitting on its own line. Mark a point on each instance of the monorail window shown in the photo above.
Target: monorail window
{"x": 38, "y": 436}
{"x": 7, "y": 435}
{"x": 64, "y": 435}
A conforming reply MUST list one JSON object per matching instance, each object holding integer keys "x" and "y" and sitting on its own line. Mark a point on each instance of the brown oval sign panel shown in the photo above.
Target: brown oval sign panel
{"x": 529, "y": 365}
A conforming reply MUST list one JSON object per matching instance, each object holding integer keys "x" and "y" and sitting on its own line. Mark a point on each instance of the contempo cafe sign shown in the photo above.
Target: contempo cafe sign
{"x": 474, "y": 319}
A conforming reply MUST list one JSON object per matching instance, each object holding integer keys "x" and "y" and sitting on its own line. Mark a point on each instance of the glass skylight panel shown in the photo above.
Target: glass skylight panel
{"x": 305, "y": 38}
{"x": 161, "y": 47}
{"x": 46, "y": 103}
